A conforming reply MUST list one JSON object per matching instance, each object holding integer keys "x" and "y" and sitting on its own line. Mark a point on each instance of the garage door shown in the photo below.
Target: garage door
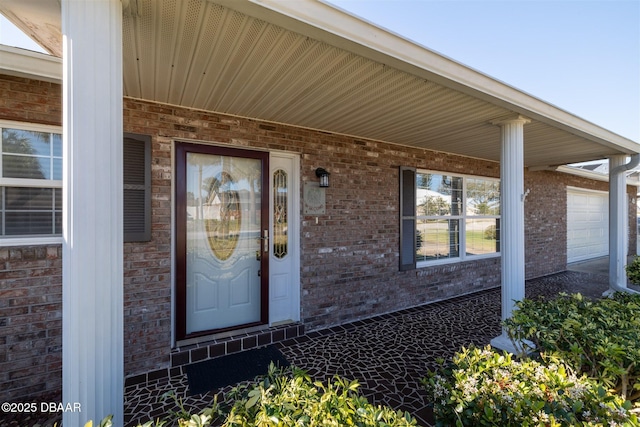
{"x": 587, "y": 225}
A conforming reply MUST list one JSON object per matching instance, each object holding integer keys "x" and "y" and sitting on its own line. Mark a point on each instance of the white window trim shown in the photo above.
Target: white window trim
{"x": 36, "y": 127}
{"x": 30, "y": 241}
{"x": 462, "y": 218}
{"x": 17, "y": 182}
{"x": 23, "y": 182}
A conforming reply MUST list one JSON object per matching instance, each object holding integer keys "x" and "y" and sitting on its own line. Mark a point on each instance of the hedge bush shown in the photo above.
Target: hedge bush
{"x": 633, "y": 270}
{"x": 598, "y": 338}
{"x": 288, "y": 398}
{"x": 486, "y": 388}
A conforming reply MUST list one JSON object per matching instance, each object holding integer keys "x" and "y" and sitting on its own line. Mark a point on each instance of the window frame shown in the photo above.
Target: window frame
{"x": 29, "y": 182}
{"x": 409, "y": 219}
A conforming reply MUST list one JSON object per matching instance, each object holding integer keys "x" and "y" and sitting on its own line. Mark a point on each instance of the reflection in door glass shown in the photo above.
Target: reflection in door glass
{"x": 223, "y": 217}
{"x": 221, "y": 196}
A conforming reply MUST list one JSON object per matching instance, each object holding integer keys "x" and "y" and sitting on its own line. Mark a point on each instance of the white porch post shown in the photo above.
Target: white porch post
{"x": 618, "y": 221}
{"x": 617, "y": 214}
{"x": 92, "y": 273}
{"x": 511, "y": 220}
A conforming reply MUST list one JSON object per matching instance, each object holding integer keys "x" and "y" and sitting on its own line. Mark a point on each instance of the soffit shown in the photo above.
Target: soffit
{"x": 241, "y": 58}
{"x": 38, "y": 19}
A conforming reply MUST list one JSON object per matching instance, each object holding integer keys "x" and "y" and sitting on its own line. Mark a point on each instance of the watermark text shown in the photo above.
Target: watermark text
{"x": 33, "y": 407}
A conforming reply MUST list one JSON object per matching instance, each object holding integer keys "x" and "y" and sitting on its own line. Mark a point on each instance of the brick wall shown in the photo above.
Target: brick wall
{"x": 31, "y": 101}
{"x": 30, "y": 277}
{"x": 147, "y": 275}
{"x": 30, "y": 321}
{"x": 545, "y": 223}
{"x": 349, "y": 258}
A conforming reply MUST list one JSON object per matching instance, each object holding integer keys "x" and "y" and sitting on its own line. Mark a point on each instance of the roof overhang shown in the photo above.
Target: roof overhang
{"x": 26, "y": 63}
{"x": 309, "y": 64}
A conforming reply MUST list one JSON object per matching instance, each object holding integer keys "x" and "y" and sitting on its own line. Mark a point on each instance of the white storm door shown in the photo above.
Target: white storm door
{"x": 284, "y": 266}
{"x": 222, "y": 237}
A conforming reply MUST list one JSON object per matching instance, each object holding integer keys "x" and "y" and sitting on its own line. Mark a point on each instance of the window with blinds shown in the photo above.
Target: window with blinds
{"x": 31, "y": 183}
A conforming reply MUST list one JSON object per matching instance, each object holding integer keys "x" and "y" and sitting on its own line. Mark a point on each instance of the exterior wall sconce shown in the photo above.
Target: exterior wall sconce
{"x": 324, "y": 177}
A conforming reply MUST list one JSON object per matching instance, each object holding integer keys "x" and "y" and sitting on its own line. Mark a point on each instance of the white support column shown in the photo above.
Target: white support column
{"x": 92, "y": 274}
{"x": 617, "y": 212}
{"x": 511, "y": 220}
{"x": 618, "y": 221}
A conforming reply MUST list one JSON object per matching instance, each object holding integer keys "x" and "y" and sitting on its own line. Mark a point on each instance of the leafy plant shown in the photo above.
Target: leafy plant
{"x": 289, "y": 398}
{"x": 633, "y": 270}
{"x": 185, "y": 418}
{"x": 106, "y": 422}
{"x": 598, "y": 338}
{"x": 483, "y": 387}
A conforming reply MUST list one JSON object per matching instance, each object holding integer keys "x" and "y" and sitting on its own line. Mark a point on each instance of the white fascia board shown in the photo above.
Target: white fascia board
{"x": 325, "y": 22}
{"x": 27, "y": 63}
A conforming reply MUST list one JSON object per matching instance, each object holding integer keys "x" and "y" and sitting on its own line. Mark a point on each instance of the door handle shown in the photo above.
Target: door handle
{"x": 265, "y": 241}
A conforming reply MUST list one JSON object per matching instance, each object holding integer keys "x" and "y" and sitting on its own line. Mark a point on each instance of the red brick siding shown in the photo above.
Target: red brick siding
{"x": 30, "y": 321}
{"x": 31, "y": 276}
{"x": 147, "y": 275}
{"x": 545, "y": 223}
{"x": 30, "y": 101}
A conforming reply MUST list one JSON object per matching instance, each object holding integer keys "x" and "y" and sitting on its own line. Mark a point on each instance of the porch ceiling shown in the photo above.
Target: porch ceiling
{"x": 320, "y": 68}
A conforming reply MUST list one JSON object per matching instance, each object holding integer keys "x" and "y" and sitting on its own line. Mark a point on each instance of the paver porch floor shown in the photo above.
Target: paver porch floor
{"x": 387, "y": 354}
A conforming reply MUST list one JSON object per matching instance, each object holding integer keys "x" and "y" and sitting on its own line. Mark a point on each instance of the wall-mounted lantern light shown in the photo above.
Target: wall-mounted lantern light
{"x": 324, "y": 177}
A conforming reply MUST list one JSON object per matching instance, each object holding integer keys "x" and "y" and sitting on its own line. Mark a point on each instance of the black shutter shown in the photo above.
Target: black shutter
{"x": 407, "y": 218}
{"x": 137, "y": 187}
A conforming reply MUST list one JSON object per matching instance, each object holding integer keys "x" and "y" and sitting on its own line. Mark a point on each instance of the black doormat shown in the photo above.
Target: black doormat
{"x": 232, "y": 369}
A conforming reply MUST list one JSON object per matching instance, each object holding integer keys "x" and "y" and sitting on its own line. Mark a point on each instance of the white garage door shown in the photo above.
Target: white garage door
{"x": 587, "y": 225}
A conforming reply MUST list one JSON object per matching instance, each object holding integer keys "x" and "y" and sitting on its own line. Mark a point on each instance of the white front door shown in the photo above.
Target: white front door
{"x": 222, "y": 238}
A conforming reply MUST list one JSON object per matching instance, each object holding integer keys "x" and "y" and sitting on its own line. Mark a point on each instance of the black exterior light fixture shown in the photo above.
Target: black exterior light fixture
{"x": 324, "y": 177}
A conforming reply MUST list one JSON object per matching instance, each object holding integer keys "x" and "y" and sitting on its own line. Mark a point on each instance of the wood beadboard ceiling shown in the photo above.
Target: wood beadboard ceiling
{"x": 204, "y": 55}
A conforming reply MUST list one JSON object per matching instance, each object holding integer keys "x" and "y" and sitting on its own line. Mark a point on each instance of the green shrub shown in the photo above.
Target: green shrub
{"x": 598, "y": 338}
{"x": 490, "y": 233}
{"x": 633, "y": 270}
{"x": 289, "y": 398}
{"x": 486, "y": 388}
{"x": 183, "y": 419}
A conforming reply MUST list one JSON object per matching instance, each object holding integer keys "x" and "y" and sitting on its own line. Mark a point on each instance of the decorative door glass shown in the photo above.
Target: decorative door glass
{"x": 280, "y": 197}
